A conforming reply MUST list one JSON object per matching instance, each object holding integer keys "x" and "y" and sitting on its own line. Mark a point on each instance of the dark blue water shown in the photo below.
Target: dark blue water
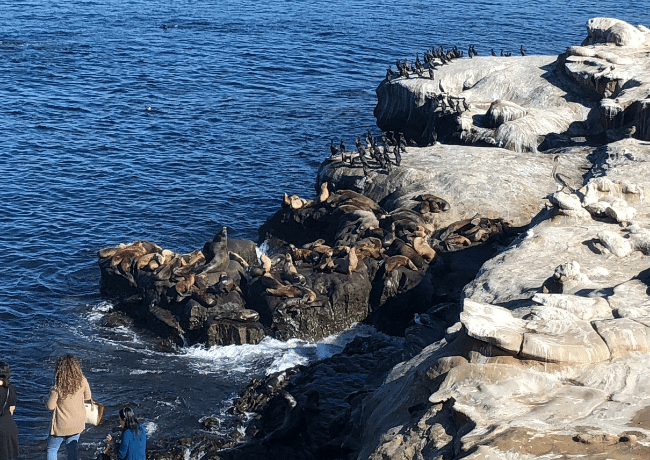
{"x": 163, "y": 120}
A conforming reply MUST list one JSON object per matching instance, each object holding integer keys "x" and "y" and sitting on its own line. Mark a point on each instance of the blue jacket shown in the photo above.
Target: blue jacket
{"x": 132, "y": 447}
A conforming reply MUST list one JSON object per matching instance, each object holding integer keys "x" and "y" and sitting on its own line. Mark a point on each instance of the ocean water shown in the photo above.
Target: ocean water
{"x": 166, "y": 119}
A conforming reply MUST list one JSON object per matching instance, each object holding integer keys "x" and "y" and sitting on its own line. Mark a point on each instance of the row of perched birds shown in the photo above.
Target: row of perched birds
{"x": 431, "y": 57}
{"x": 373, "y": 154}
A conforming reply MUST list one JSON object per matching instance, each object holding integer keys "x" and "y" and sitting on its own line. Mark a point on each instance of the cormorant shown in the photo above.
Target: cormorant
{"x": 342, "y": 146}
{"x": 333, "y": 148}
{"x": 398, "y": 155}
{"x": 522, "y": 50}
{"x": 493, "y": 53}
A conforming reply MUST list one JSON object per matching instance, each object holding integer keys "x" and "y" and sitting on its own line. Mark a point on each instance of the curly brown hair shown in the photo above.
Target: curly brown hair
{"x": 68, "y": 376}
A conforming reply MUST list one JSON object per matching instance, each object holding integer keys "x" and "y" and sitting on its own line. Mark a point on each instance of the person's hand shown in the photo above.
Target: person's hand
{"x": 110, "y": 440}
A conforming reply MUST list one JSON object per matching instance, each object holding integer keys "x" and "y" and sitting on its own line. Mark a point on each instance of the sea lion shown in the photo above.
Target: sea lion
{"x": 423, "y": 249}
{"x": 243, "y": 315}
{"x": 394, "y": 262}
{"x": 435, "y": 203}
{"x": 192, "y": 258}
{"x": 293, "y": 201}
{"x": 185, "y": 284}
{"x": 458, "y": 240}
{"x": 389, "y": 236}
{"x": 226, "y": 284}
{"x": 324, "y": 193}
{"x": 347, "y": 264}
{"x": 239, "y": 259}
{"x": 144, "y": 260}
{"x": 302, "y": 254}
{"x": 369, "y": 247}
{"x": 107, "y": 253}
{"x": 420, "y": 231}
{"x": 290, "y": 273}
{"x": 266, "y": 263}
{"x": 216, "y": 253}
{"x": 313, "y": 244}
{"x": 293, "y": 291}
{"x": 322, "y": 248}
{"x": 326, "y": 262}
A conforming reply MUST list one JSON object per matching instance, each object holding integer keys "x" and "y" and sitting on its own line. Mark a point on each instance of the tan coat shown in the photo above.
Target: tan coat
{"x": 69, "y": 415}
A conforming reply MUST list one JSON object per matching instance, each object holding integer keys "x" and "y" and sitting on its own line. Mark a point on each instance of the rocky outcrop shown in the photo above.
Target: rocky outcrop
{"x": 551, "y": 341}
{"x": 195, "y": 298}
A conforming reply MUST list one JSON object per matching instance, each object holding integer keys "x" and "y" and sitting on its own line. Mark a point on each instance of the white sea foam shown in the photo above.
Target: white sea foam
{"x": 270, "y": 354}
{"x": 146, "y": 371}
{"x": 151, "y": 427}
{"x": 261, "y": 249}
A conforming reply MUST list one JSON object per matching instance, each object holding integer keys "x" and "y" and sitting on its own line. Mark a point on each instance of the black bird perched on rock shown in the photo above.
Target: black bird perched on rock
{"x": 342, "y": 146}
{"x": 357, "y": 142}
{"x": 430, "y": 73}
{"x": 398, "y": 155}
{"x": 333, "y": 148}
{"x": 522, "y": 50}
{"x": 389, "y": 74}
{"x": 493, "y": 53}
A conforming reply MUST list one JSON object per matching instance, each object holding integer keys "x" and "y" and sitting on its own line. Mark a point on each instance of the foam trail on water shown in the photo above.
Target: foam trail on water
{"x": 270, "y": 354}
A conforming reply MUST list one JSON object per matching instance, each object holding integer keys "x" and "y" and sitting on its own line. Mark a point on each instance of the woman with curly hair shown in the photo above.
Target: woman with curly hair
{"x": 8, "y": 429}
{"x": 67, "y": 401}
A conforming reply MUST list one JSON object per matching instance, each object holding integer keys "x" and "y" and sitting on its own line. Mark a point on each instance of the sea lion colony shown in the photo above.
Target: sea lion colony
{"x": 337, "y": 241}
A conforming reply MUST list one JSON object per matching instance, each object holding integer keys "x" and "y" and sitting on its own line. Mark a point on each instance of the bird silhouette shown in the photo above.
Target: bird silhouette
{"x": 333, "y": 148}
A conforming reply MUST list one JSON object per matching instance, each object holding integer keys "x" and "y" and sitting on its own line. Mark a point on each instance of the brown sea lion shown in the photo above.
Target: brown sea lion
{"x": 184, "y": 285}
{"x": 369, "y": 247}
{"x": 239, "y": 259}
{"x": 423, "y": 249}
{"x": 192, "y": 258}
{"x": 324, "y": 193}
{"x": 266, "y": 262}
{"x": 144, "y": 260}
{"x": 435, "y": 203}
{"x": 290, "y": 290}
{"x": 109, "y": 252}
{"x": 313, "y": 244}
{"x": 458, "y": 240}
{"x": 347, "y": 264}
{"x": 326, "y": 262}
{"x": 303, "y": 254}
{"x": 394, "y": 262}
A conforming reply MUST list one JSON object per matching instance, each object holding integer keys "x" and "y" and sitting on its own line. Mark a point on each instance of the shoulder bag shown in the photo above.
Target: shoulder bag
{"x": 94, "y": 412}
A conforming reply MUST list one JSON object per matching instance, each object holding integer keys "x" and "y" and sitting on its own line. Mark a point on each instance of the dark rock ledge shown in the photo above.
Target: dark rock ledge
{"x": 507, "y": 245}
